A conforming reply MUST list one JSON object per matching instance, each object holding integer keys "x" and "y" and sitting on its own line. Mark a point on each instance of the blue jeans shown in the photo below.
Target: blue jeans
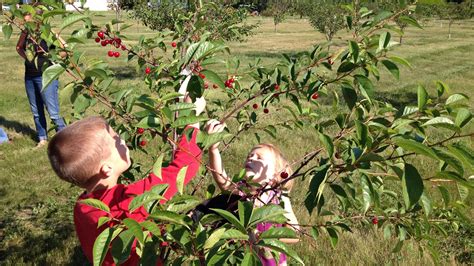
{"x": 39, "y": 99}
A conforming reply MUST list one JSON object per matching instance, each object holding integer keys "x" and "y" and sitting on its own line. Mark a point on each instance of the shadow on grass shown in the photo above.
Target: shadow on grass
{"x": 122, "y": 73}
{"x": 35, "y": 248}
{"x": 18, "y": 127}
{"x": 398, "y": 99}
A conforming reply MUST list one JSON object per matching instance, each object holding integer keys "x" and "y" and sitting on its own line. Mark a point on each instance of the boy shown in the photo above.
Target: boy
{"x": 89, "y": 154}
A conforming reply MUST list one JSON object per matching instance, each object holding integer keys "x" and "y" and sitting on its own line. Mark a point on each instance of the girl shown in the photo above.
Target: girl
{"x": 264, "y": 165}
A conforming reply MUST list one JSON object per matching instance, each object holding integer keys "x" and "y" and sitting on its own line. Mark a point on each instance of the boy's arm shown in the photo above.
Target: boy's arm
{"x": 187, "y": 154}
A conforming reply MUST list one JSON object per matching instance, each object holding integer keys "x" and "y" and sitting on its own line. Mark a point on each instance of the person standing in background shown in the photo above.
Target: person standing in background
{"x": 34, "y": 51}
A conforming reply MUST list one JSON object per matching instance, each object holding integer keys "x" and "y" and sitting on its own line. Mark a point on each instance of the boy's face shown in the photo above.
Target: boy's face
{"x": 260, "y": 165}
{"x": 119, "y": 153}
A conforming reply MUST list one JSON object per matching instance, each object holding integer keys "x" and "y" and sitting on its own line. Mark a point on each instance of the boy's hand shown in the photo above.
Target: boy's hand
{"x": 214, "y": 126}
{"x": 200, "y": 103}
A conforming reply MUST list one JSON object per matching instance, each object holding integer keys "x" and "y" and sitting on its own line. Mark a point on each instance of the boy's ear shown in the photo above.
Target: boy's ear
{"x": 106, "y": 170}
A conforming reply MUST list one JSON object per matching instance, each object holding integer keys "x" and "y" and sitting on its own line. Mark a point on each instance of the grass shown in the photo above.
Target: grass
{"x": 36, "y": 207}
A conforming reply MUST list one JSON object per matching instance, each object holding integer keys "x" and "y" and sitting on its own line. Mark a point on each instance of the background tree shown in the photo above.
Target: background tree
{"x": 277, "y": 9}
{"x": 327, "y": 18}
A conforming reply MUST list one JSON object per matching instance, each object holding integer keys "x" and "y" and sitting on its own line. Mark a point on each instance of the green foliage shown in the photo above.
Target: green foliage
{"x": 368, "y": 146}
{"x": 221, "y": 21}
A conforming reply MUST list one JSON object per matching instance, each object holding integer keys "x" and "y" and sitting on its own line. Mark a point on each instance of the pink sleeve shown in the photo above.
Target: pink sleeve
{"x": 188, "y": 154}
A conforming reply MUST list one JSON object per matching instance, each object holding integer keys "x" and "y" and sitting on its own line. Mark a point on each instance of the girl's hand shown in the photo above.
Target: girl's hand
{"x": 214, "y": 126}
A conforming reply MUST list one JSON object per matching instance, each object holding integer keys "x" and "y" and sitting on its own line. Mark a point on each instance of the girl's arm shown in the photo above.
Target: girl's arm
{"x": 292, "y": 221}
{"x": 215, "y": 159}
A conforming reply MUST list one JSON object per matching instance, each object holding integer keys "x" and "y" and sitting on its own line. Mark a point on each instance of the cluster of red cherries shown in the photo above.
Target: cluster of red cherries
{"x": 105, "y": 40}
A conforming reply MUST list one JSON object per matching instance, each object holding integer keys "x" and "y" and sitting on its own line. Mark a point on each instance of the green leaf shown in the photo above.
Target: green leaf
{"x": 101, "y": 246}
{"x": 327, "y": 142}
{"x": 422, "y": 97}
{"x": 278, "y": 232}
{"x": 155, "y": 193}
{"x": 313, "y": 198}
{"x": 73, "y": 18}
{"x": 401, "y": 61}
{"x": 441, "y": 88}
{"x": 442, "y": 122}
{"x": 245, "y": 212}
{"x": 268, "y": 213}
{"x": 180, "y": 179}
{"x": 451, "y": 160}
{"x": 7, "y": 31}
{"x": 214, "y": 238}
{"x": 280, "y": 247}
{"x": 366, "y": 192}
{"x": 213, "y": 77}
{"x": 181, "y": 106}
{"x": 426, "y": 203}
{"x": 232, "y": 219}
{"x": 122, "y": 247}
{"x": 333, "y": 236}
{"x": 157, "y": 166}
{"x": 187, "y": 120}
{"x": 354, "y": 49}
{"x": 456, "y": 97}
{"x": 463, "y": 117}
{"x": 235, "y": 235}
{"x": 410, "y": 21}
{"x": 151, "y": 227}
{"x": 366, "y": 87}
{"x": 182, "y": 203}
{"x": 445, "y": 194}
{"x": 103, "y": 220}
{"x": 393, "y": 68}
{"x": 462, "y": 152}
{"x": 414, "y": 146}
{"x": 362, "y": 132}
{"x": 384, "y": 40}
{"x": 463, "y": 192}
{"x": 350, "y": 96}
{"x": 98, "y": 204}
{"x": 346, "y": 66}
{"x": 170, "y": 217}
{"x": 412, "y": 186}
{"x": 52, "y": 73}
{"x": 135, "y": 227}
{"x": 250, "y": 259}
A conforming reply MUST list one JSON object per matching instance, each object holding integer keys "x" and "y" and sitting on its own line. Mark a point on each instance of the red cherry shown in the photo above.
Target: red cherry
{"x": 118, "y": 40}
{"x": 173, "y": 44}
{"x": 111, "y": 53}
{"x": 228, "y": 84}
{"x": 206, "y": 85}
{"x": 123, "y": 47}
{"x": 140, "y": 130}
{"x": 143, "y": 143}
{"x": 202, "y": 76}
{"x": 375, "y": 221}
{"x": 266, "y": 111}
{"x": 315, "y": 96}
{"x": 101, "y": 34}
{"x": 231, "y": 80}
{"x": 117, "y": 54}
{"x": 255, "y": 106}
{"x": 147, "y": 70}
{"x": 97, "y": 39}
{"x": 284, "y": 175}
{"x": 215, "y": 86}
{"x": 103, "y": 43}
{"x": 277, "y": 87}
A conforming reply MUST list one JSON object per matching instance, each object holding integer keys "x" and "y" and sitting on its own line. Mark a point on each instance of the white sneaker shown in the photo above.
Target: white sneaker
{"x": 42, "y": 143}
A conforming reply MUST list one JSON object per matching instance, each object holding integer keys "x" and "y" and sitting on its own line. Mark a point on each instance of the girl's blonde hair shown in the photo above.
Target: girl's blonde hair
{"x": 281, "y": 165}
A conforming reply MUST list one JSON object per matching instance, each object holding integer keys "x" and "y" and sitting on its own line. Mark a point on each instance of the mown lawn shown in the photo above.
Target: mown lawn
{"x": 36, "y": 207}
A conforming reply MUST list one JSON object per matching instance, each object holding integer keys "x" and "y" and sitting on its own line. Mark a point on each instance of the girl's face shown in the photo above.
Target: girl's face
{"x": 260, "y": 165}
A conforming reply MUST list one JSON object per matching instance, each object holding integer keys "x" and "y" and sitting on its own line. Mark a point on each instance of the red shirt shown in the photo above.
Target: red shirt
{"x": 119, "y": 197}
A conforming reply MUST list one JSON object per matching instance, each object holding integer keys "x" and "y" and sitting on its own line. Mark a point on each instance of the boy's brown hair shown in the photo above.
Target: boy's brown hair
{"x": 76, "y": 151}
{"x": 281, "y": 165}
